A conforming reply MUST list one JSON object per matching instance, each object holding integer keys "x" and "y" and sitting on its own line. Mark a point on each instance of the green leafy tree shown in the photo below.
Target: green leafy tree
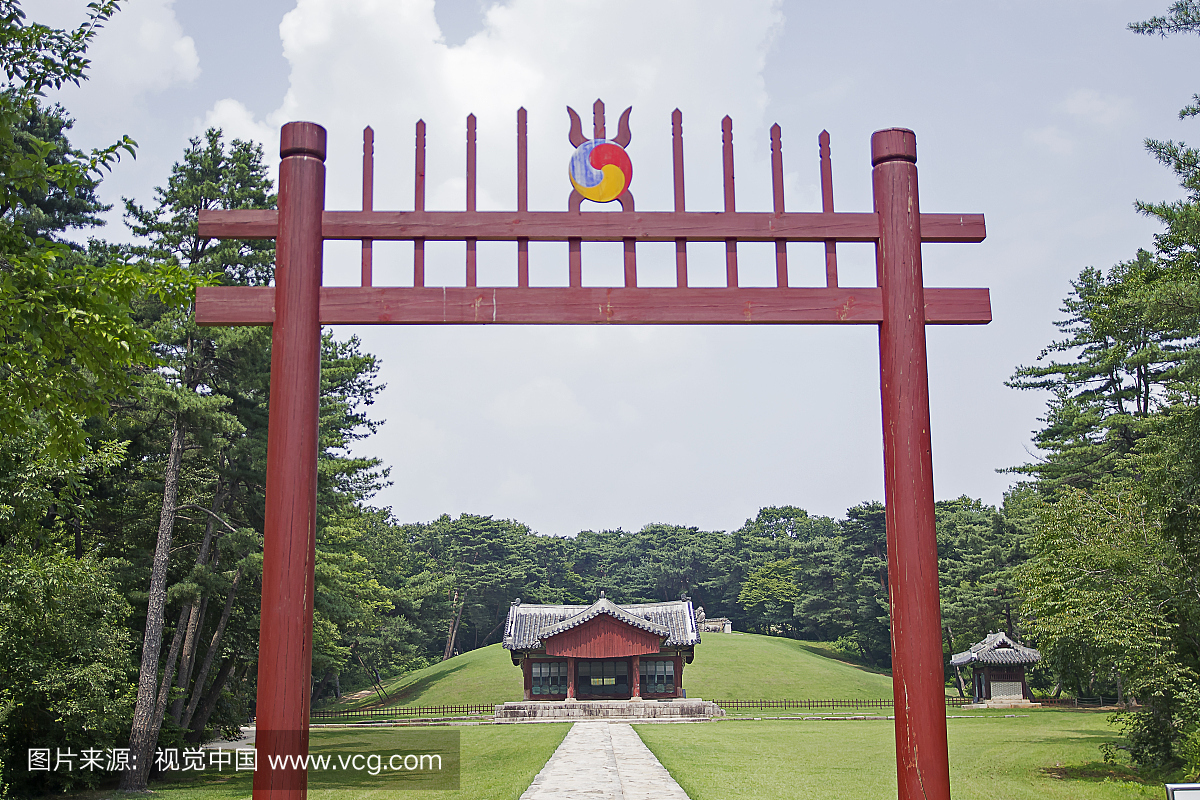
{"x": 769, "y": 594}
{"x": 864, "y": 531}
{"x": 1108, "y": 597}
{"x": 978, "y": 550}
{"x": 66, "y": 676}
{"x": 67, "y": 340}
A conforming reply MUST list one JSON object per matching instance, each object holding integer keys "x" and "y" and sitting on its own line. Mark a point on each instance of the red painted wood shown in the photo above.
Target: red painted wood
{"x": 556, "y": 226}
{"x": 285, "y": 640}
{"x": 681, "y": 276}
{"x": 831, "y": 276}
{"x": 570, "y": 678}
{"x": 471, "y": 266}
{"x": 598, "y": 119}
{"x": 624, "y": 136}
{"x": 368, "y": 192}
{"x": 240, "y": 305}
{"x": 575, "y": 262}
{"x": 630, "y": 254}
{"x": 527, "y": 675}
{"x": 731, "y": 265}
{"x": 602, "y": 637}
{"x": 635, "y": 682}
{"x": 522, "y": 194}
{"x": 781, "y": 271}
{"x": 922, "y": 764}
{"x": 418, "y": 204}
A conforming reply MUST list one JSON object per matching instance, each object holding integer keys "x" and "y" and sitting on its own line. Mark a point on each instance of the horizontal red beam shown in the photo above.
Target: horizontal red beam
{"x": 241, "y": 305}
{"x": 557, "y": 226}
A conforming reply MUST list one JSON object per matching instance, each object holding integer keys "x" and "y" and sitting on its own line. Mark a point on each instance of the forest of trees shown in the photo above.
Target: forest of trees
{"x": 132, "y": 454}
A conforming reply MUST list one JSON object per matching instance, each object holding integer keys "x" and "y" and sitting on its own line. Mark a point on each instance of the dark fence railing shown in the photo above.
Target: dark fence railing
{"x": 816, "y": 705}
{"x": 404, "y": 711}
{"x": 1077, "y": 702}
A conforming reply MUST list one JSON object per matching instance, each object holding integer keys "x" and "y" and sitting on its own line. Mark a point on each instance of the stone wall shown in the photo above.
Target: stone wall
{"x": 607, "y": 709}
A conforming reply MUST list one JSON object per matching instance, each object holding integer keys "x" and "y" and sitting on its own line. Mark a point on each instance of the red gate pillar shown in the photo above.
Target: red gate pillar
{"x": 285, "y": 640}
{"x": 918, "y": 682}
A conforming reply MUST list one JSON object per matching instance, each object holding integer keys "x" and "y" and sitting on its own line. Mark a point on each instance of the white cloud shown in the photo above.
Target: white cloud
{"x": 360, "y": 62}
{"x": 544, "y": 402}
{"x": 1051, "y": 138}
{"x": 1095, "y": 108}
{"x": 237, "y": 122}
{"x": 138, "y": 54}
{"x": 142, "y": 50}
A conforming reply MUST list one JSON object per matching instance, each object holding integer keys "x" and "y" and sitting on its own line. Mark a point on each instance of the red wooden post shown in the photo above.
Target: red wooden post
{"x": 681, "y": 275}
{"x": 527, "y": 677}
{"x": 918, "y": 683}
{"x": 471, "y": 196}
{"x": 419, "y": 204}
{"x": 635, "y": 689}
{"x": 570, "y": 678}
{"x": 731, "y": 264}
{"x": 781, "y": 270}
{"x": 522, "y": 195}
{"x": 831, "y": 278}
{"x": 368, "y": 193}
{"x": 285, "y": 641}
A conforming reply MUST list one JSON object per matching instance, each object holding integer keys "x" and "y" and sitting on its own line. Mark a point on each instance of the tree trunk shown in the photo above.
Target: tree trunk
{"x": 320, "y": 687}
{"x": 452, "y": 635}
{"x": 190, "y": 640}
{"x": 144, "y": 730}
{"x": 196, "y": 618}
{"x": 213, "y": 648}
{"x": 200, "y": 721}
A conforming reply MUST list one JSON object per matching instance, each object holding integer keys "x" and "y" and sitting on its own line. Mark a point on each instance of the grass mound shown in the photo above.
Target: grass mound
{"x": 752, "y": 667}
{"x": 485, "y": 675}
{"x": 727, "y": 667}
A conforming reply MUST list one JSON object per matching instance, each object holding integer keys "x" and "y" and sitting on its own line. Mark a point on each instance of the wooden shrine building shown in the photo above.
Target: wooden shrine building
{"x": 998, "y": 665}
{"x": 603, "y": 651}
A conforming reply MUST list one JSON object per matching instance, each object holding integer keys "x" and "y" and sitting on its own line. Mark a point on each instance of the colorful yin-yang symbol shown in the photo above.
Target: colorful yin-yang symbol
{"x": 601, "y": 170}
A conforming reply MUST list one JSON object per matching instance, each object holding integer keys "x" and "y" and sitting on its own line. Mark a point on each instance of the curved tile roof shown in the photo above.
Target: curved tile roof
{"x": 997, "y": 648}
{"x": 603, "y": 606}
{"x": 528, "y": 623}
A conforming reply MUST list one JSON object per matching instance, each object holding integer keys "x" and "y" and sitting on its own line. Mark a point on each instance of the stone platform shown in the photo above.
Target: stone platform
{"x": 625, "y": 710}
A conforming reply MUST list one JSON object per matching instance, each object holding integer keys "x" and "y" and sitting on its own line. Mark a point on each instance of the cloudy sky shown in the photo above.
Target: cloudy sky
{"x": 1030, "y": 112}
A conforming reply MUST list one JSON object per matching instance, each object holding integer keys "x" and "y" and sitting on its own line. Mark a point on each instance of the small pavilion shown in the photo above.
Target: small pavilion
{"x": 603, "y": 651}
{"x": 998, "y": 666}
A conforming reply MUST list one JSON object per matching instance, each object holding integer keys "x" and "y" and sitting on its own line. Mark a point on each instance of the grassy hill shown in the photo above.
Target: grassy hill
{"x": 752, "y": 667}
{"x": 727, "y": 667}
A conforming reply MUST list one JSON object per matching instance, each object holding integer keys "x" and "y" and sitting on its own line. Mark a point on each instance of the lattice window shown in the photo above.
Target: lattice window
{"x": 549, "y": 678}
{"x": 604, "y": 677}
{"x": 657, "y": 677}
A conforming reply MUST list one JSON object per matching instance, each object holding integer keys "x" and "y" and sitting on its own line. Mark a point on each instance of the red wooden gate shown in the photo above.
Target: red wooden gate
{"x": 298, "y": 305}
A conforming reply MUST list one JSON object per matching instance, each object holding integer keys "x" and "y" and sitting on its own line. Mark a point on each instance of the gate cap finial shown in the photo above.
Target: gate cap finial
{"x": 893, "y": 144}
{"x": 302, "y": 139}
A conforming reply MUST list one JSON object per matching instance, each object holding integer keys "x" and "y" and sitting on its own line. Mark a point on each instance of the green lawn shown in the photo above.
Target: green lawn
{"x": 485, "y": 675}
{"x": 991, "y": 756}
{"x": 752, "y": 667}
{"x": 498, "y": 763}
{"x": 727, "y": 667}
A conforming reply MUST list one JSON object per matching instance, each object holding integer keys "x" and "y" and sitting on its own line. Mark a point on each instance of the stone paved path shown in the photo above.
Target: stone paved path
{"x": 603, "y": 761}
